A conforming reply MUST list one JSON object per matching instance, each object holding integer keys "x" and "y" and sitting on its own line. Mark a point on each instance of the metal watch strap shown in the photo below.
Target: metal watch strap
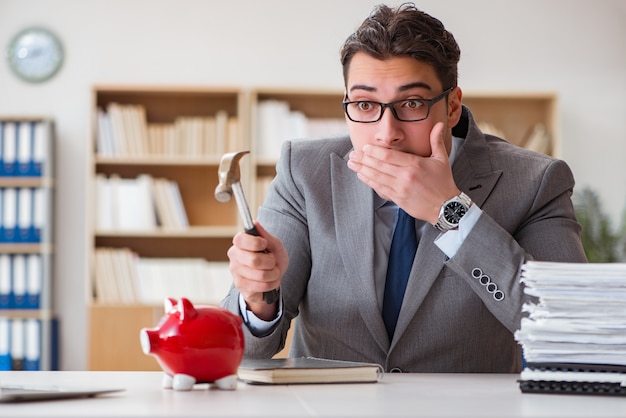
{"x": 443, "y": 225}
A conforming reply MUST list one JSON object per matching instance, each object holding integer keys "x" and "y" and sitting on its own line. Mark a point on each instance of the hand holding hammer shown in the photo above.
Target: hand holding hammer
{"x": 230, "y": 184}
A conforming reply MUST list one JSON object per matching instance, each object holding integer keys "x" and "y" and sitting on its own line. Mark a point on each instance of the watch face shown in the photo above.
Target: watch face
{"x": 35, "y": 54}
{"x": 454, "y": 211}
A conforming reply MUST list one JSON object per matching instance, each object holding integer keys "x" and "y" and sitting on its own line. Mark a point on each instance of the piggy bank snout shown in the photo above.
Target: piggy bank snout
{"x": 148, "y": 339}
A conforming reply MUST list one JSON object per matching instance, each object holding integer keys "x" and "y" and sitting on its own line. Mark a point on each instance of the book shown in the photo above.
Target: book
{"x": 307, "y": 370}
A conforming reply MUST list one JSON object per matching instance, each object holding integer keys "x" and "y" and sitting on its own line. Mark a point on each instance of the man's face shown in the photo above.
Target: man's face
{"x": 394, "y": 79}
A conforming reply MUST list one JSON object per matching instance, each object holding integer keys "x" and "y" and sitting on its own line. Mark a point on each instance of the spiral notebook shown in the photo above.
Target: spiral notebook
{"x": 574, "y": 379}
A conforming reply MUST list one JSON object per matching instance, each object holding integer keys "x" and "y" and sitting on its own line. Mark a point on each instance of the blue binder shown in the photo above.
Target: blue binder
{"x": 34, "y": 281}
{"x": 6, "y": 282}
{"x": 9, "y": 215}
{"x": 19, "y": 282}
{"x": 2, "y": 148}
{"x": 25, "y": 144}
{"x": 5, "y": 343}
{"x": 9, "y": 149}
{"x": 25, "y": 215}
{"x": 32, "y": 344}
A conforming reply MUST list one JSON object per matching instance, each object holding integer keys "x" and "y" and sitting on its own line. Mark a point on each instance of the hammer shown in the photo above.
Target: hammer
{"x": 229, "y": 183}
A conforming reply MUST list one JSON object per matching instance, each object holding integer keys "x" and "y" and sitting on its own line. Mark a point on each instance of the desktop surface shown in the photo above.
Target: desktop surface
{"x": 396, "y": 395}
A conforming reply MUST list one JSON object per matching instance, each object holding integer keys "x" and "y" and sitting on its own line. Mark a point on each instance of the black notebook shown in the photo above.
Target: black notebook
{"x": 307, "y": 370}
{"x": 574, "y": 379}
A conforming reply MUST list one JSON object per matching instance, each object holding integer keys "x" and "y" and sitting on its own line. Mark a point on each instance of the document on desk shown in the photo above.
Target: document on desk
{"x": 26, "y": 393}
{"x": 307, "y": 370}
{"x": 574, "y": 335}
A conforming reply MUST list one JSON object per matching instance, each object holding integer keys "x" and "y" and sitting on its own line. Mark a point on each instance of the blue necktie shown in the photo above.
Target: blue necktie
{"x": 401, "y": 255}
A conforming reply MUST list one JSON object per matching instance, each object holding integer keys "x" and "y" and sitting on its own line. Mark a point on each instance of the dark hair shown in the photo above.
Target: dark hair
{"x": 405, "y": 31}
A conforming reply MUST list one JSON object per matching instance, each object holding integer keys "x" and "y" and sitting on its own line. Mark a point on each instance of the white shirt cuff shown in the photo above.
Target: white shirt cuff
{"x": 256, "y": 325}
{"x": 450, "y": 241}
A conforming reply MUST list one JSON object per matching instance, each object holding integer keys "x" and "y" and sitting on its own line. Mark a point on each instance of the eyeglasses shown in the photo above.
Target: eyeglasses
{"x": 405, "y": 110}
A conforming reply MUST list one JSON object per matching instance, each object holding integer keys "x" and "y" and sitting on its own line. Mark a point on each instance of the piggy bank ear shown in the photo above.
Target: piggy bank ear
{"x": 186, "y": 309}
{"x": 169, "y": 304}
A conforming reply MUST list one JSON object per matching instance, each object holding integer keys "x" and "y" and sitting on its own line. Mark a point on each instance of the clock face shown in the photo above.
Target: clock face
{"x": 453, "y": 212}
{"x": 35, "y": 54}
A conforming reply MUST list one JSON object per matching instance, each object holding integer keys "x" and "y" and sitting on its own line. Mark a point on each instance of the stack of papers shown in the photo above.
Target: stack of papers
{"x": 576, "y": 325}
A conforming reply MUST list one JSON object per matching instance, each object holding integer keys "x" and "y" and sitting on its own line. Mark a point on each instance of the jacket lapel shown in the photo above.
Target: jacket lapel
{"x": 354, "y": 220}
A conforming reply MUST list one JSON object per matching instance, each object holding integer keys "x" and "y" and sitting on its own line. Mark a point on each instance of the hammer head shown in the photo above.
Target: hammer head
{"x": 228, "y": 174}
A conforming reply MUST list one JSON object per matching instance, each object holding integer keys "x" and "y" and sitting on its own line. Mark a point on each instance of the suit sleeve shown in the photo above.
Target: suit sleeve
{"x": 506, "y": 235}
{"x": 283, "y": 215}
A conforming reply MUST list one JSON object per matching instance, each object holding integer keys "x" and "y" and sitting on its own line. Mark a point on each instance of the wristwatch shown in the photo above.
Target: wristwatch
{"x": 452, "y": 211}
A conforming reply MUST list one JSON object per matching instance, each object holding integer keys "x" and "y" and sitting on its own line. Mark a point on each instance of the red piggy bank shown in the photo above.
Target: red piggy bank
{"x": 202, "y": 344}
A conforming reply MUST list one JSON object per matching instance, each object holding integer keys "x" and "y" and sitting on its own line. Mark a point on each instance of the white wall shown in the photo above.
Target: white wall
{"x": 576, "y": 48}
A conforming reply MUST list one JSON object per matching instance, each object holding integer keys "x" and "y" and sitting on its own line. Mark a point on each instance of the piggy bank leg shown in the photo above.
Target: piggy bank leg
{"x": 228, "y": 382}
{"x": 167, "y": 381}
{"x": 183, "y": 382}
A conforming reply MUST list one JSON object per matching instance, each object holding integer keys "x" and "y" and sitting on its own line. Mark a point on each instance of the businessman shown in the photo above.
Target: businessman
{"x": 415, "y": 182}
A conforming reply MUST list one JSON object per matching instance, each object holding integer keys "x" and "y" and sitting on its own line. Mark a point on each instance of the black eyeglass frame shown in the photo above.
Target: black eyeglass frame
{"x": 429, "y": 102}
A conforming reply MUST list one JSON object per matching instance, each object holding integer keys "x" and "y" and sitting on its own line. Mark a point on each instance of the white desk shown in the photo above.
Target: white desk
{"x": 430, "y": 395}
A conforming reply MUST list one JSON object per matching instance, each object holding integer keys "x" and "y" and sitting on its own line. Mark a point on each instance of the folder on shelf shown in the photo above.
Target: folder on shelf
{"x": 34, "y": 281}
{"x": 17, "y": 344}
{"x": 25, "y": 205}
{"x": 25, "y": 137}
{"x": 32, "y": 344}
{"x": 19, "y": 281}
{"x": 2, "y": 123}
{"x": 5, "y": 343}
{"x": 9, "y": 215}
{"x": 6, "y": 287}
{"x": 9, "y": 149}
{"x": 39, "y": 212}
{"x": 41, "y": 148}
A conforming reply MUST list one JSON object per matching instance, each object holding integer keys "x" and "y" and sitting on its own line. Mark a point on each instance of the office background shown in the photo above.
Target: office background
{"x": 574, "y": 48}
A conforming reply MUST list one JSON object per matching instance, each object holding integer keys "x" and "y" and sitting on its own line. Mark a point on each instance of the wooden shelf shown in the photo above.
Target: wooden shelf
{"x": 213, "y": 224}
{"x": 516, "y": 114}
{"x": 119, "y": 325}
{"x": 16, "y": 248}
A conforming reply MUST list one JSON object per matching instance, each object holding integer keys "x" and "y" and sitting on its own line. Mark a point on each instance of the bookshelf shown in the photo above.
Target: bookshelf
{"x": 211, "y": 225}
{"x": 28, "y": 327}
{"x": 201, "y": 240}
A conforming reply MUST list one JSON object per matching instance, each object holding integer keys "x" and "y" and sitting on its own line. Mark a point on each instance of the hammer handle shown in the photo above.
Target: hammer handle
{"x": 271, "y": 296}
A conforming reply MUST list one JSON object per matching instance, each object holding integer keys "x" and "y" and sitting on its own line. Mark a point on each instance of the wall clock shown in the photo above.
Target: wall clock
{"x": 35, "y": 54}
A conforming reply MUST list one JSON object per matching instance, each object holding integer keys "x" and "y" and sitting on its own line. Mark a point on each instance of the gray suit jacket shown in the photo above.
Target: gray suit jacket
{"x": 449, "y": 321}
